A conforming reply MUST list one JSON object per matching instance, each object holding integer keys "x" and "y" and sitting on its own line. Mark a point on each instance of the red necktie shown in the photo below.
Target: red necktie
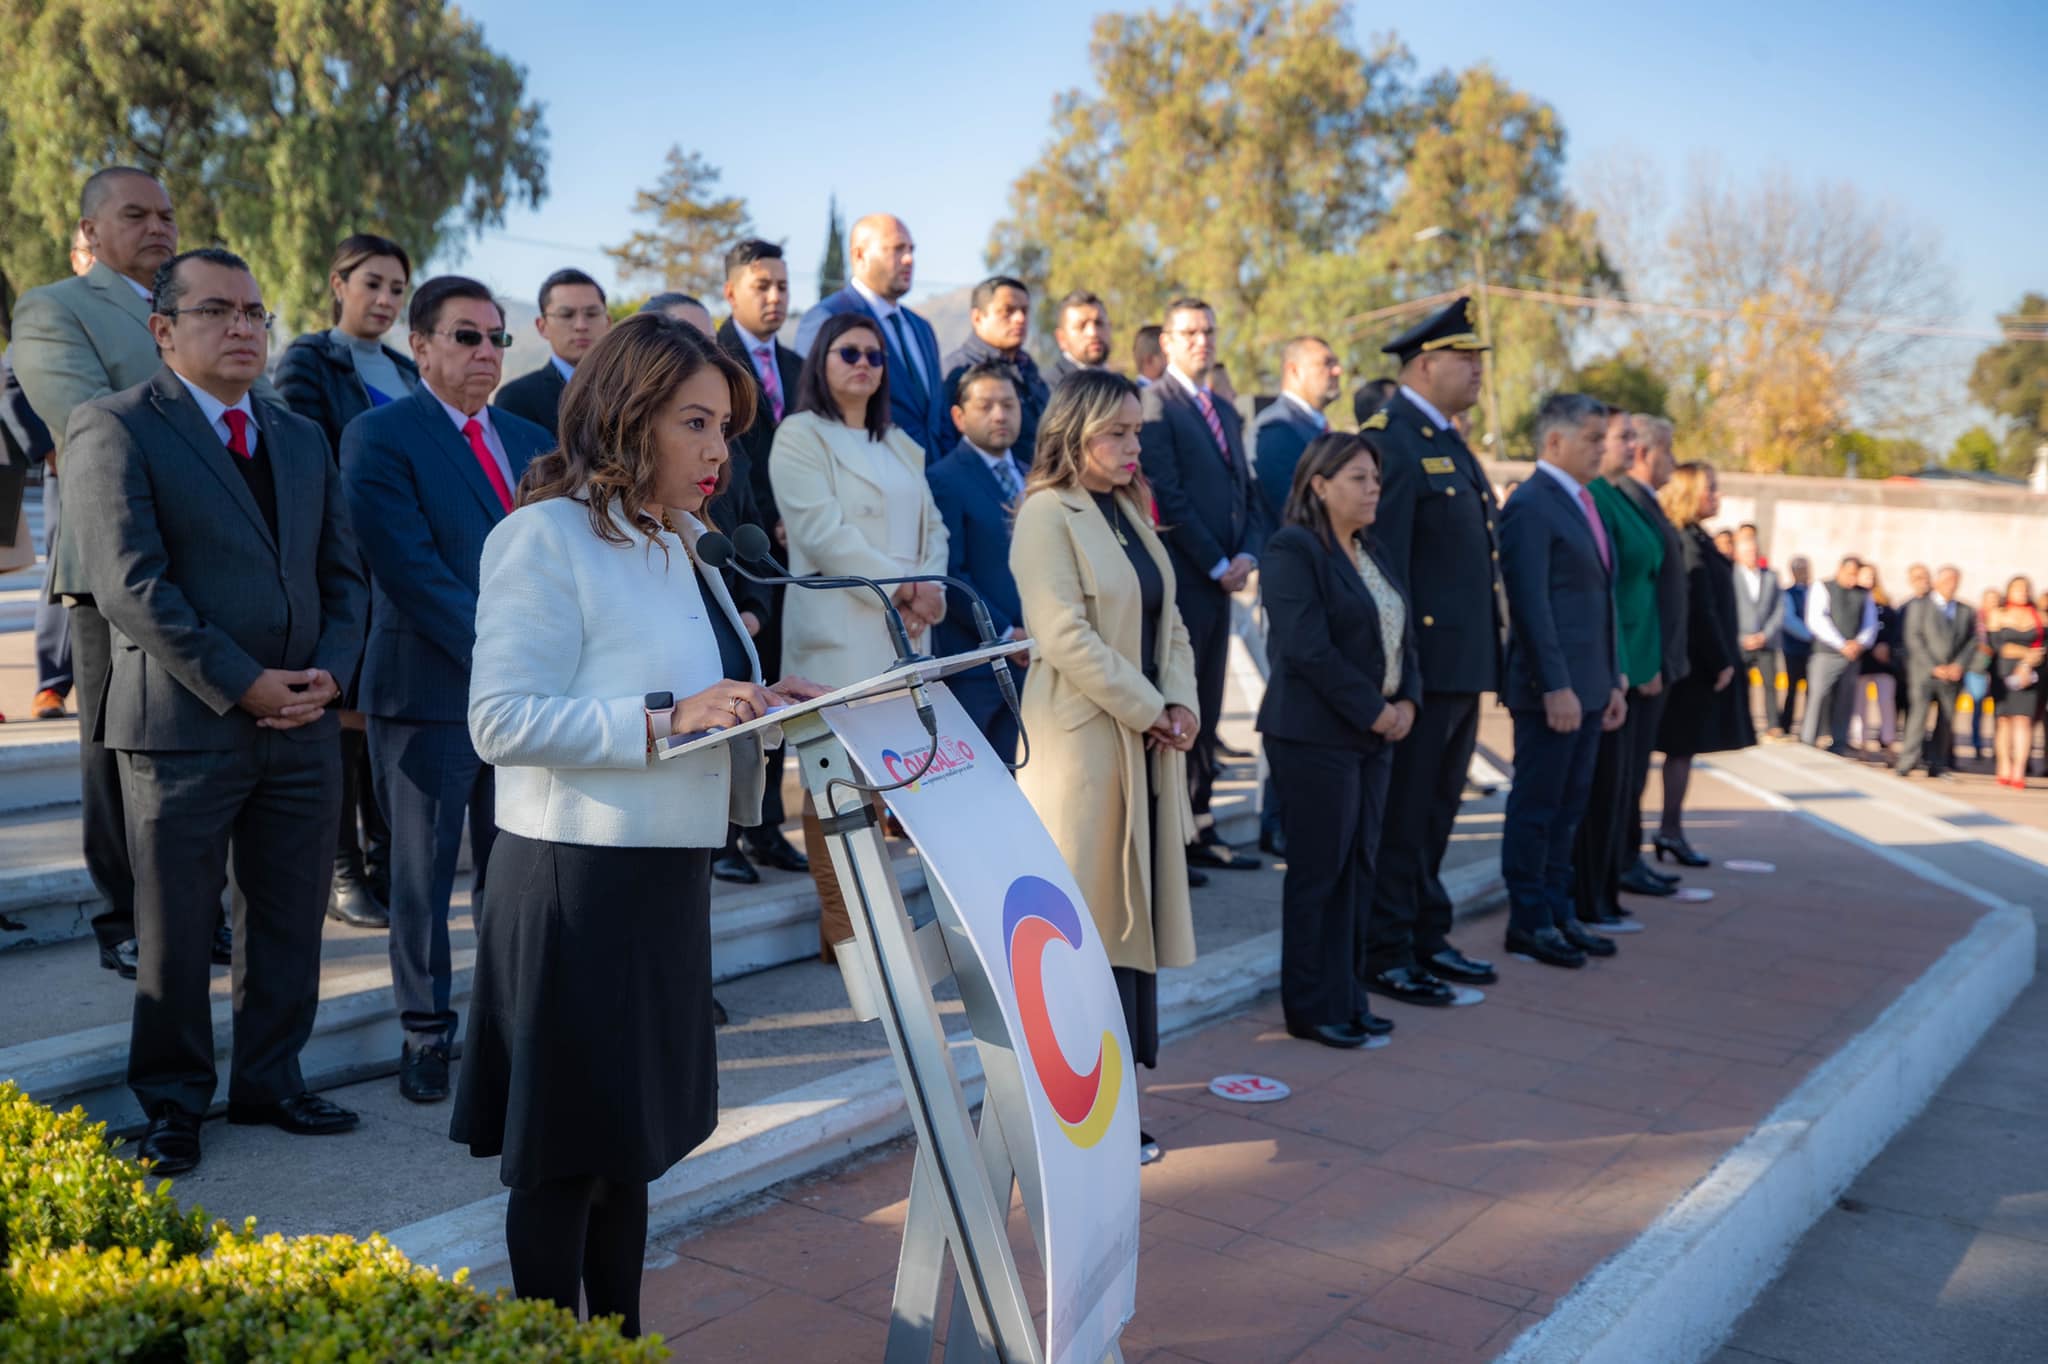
{"x": 238, "y": 432}
{"x": 474, "y": 430}
{"x": 1599, "y": 531}
{"x": 1215, "y": 422}
{"x": 764, "y": 361}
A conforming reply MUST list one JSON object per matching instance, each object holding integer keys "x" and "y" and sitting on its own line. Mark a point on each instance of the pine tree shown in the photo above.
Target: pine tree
{"x": 832, "y": 272}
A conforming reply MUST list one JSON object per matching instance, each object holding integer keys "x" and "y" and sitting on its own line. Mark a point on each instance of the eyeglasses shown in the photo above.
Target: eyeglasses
{"x": 472, "y": 338}
{"x": 578, "y": 314}
{"x": 853, "y": 355}
{"x": 219, "y": 314}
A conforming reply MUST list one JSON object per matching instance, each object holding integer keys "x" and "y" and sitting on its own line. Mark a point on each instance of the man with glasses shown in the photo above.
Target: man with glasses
{"x": 572, "y": 319}
{"x": 220, "y": 556}
{"x": 76, "y": 340}
{"x": 1213, "y": 518}
{"x": 427, "y": 478}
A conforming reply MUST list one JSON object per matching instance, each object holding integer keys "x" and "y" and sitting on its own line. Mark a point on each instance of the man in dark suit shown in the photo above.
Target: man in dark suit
{"x": 1941, "y": 632}
{"x": 572, "y": 319}
{"x": 999, "y": 312}
{"x": 427, "y": 478}
{"x": 977, "y": 488}
{"x": 1564, "y": 684}
{"x": 219, "y": 553}
{"x": 1798, "y": 646}
{"x": 1759, "y": 617}
{"x": 1214, "y": 522}
{"x": 1082, "y": 334}
{"x": 1651, "y": 468}
{"x": 1310, "y": 380}
{"x": 1436, "y": 527}
{"x": 883, "y": 261}
{"x": 1148, "y": 355}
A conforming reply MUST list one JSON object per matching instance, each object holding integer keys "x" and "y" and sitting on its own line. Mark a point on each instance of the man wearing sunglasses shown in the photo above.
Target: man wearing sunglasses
{"x": 427, "y": 478}
{"x": 219, "y": 553}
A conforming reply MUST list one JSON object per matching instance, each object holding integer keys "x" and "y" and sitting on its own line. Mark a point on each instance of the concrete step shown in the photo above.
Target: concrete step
{"x": 38, "y": 767}
{"x": 356, "y": 1033}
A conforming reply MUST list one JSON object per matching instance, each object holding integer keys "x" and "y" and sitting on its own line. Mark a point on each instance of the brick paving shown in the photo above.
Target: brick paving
{"x": 1425, "y": 1202}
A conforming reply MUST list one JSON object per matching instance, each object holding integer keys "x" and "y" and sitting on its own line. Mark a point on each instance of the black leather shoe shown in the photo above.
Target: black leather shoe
{"x": 120, "y": 958}
{"x": 171, "y": 1145}
{"x": 1343, "y": 1035}
{"x": 1592, "y": 944}
{"x": 1222, "y": 857}
{"x": 302, "y": 1115}
{"x": 1196, "y": 879}
{"x": 1546, "y": 945}
{"x": 1607, "y": 920}
{"x": 733, "y": 866}
{"x": 350, "y": 902}
{"x": 778, "y": 854}
{"x": 1224, "y": 750}
{"x": 423, "y": 1073}
{"x": 1644, "y": 885}
{"x": 1448, "y": 963}
{"x": 223, "y": 944}
{"x": 1411, "y": 986}
{"x": 1373, "y": 1025}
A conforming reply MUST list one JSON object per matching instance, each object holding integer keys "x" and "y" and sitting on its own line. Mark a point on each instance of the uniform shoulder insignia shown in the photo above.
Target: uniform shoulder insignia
{"x": 1376, "y": 422}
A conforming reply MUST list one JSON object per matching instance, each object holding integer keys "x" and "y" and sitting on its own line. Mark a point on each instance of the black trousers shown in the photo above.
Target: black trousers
{"x": 1765, "y": 661}
{"x": 1411, "y": 910}
{"x": 1596, "y": 855}
{"x": 1336, "y": 804}
{"x": 1553, "y": 779}
{"x": 1926, "y": 693}
{"x": 274, "y": 799}
{"x": 370, "y": 852}
{"x": 768, "y": 644}
{"x": 1795, "y": 673}
{"x": 1205, "y": 609}
{"x": 99, "y": 772}
{"x": 1645, "y": 714}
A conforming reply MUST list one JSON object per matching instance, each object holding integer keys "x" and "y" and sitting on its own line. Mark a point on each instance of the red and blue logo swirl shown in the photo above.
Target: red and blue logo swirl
{"x": 1035, "y": 913}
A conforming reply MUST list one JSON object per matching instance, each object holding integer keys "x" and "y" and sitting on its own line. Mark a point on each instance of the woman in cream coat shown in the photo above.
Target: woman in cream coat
{"x": 1109, "y": 702}
{"x": 850, "y": 486}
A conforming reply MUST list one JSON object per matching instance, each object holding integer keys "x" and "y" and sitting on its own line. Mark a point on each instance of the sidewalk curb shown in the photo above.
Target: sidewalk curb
{"x": 1677, "y": 1290}
{"x": 817, "y": 1125}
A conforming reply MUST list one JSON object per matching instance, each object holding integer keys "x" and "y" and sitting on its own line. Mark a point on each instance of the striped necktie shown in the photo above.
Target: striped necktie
{"x": 1215, "y": 422}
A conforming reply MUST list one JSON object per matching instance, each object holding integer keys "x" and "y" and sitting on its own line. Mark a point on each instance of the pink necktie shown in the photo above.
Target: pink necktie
{"x": 764, "y": 361}
{"x": 474, "y": 430}
{"x": 1215, "y": 422}
{"x": 1599, "y": 531}
{"x": 238, "y": 432}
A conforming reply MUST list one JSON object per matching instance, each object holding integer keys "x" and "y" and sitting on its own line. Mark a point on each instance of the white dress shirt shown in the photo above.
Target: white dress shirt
{"x": 1571, "y": 485}
{"x": 997, "y": 465}
{"x": 562, "y": 367}
{"x": 884, "y": 309}
{"x": 1322, "y": 423}
{"x": 1822, "y": 622}
{"x": 491, "y": 441}
{"x": 1428, "y": 408}
{"x": 216, "y": 411}
{"x": 148, "y": 294}
{"x": 1752, "y": 581}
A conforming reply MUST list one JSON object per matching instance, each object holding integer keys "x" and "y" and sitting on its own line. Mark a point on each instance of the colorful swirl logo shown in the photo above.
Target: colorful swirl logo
{"x": 1034, "y": 913}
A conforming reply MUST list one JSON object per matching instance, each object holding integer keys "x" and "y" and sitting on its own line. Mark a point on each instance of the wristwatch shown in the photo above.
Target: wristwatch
{"x": 661, "y": 712}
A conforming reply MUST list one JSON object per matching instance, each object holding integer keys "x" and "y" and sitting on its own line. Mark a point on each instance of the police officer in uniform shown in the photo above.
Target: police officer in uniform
{"x": 1436, "y": 529}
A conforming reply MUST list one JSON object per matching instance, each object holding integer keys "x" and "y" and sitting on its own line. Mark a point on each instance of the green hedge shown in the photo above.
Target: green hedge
{"x": 99, "y": 1266}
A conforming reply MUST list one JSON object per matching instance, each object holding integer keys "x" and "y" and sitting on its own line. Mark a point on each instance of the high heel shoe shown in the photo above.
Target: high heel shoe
{"x": 1679, "y": 850}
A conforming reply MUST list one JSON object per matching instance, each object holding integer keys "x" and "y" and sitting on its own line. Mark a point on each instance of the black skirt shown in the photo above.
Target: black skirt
{"x": 590, "y": 1050}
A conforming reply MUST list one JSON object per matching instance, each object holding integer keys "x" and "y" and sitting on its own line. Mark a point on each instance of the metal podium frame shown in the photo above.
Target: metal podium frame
{"x": 961, "y": 1179}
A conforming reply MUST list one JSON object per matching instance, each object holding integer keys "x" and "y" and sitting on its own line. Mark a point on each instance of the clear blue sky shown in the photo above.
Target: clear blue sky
{"x": 930, "y": 109}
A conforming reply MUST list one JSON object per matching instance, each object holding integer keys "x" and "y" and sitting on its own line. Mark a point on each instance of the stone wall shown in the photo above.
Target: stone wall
{"x": 1990, "y": 533}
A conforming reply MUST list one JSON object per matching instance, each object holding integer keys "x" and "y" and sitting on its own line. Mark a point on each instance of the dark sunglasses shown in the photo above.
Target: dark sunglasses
{"x": 853, "y": 355}
{"x": 471, "y": 337}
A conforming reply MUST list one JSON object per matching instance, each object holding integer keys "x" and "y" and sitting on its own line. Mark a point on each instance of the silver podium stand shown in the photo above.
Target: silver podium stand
{"x": 961, "y": 1182}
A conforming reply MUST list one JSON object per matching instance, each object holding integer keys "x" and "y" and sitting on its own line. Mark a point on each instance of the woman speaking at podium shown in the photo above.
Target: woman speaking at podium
{"x": 1109, "y": 702}
{"x": 589, "y": 1065}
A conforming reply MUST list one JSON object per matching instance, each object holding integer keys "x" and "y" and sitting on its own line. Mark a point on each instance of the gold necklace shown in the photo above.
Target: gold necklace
{"x": 1116, "y": 522}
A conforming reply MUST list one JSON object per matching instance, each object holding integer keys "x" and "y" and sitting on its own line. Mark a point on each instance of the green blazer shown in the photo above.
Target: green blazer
{"x": 1638, "y": 554}
{"x": 77, "y": 340}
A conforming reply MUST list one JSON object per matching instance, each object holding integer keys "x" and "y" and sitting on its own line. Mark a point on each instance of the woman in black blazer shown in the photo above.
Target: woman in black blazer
{"x": 1343, "y": 689}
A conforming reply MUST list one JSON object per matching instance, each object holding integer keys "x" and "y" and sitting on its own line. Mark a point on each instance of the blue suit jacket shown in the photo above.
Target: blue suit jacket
{"x": 1561, "y": 625}
{"x": 1279, "y": 437}
{"x": 918, "y": 408}
{"x": 422, "y": 508}
{"x": 977, "y": 548}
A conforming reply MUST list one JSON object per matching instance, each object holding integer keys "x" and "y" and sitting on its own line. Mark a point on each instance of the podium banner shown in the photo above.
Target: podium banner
{"x": 1044, "y": 963}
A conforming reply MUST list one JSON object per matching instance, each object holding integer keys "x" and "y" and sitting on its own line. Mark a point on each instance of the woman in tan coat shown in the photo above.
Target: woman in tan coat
{"x": 1109, "y": 702}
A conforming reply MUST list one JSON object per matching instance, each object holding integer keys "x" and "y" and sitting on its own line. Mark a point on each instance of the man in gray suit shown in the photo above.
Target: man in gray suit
{"x": 1941, "y": 632}
{"x": 1759, "y": 619}
{"x": 219, "y": 553}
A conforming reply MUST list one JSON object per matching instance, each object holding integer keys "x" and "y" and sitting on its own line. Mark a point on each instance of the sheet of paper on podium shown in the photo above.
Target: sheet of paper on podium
{"x": 1039, "y": 949}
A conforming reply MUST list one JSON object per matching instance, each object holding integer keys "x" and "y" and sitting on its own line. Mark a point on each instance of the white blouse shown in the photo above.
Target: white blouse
{"x": 572, "y": 632}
